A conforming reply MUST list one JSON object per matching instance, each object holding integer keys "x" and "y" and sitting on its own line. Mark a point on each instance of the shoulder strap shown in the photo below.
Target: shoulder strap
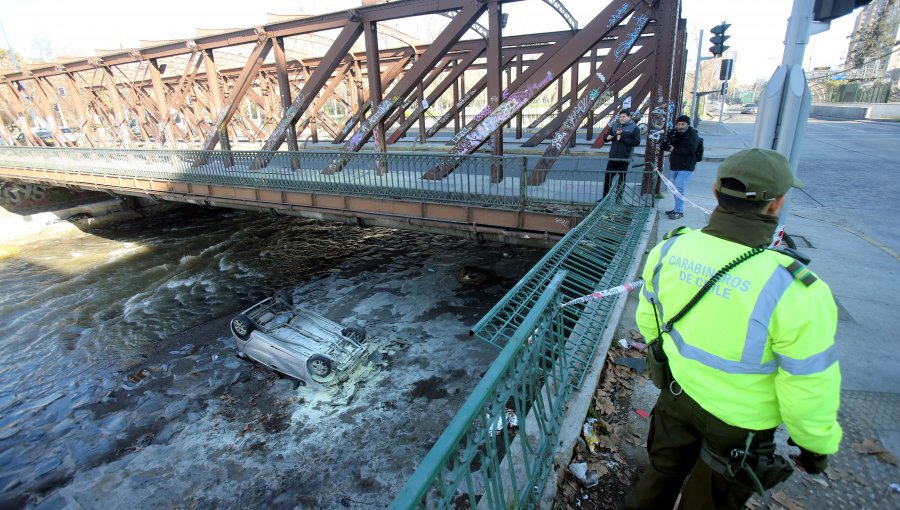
{"x": 801, "y": 272}
{"x": 676, "y": 232}
{"x": 797, "y": 267}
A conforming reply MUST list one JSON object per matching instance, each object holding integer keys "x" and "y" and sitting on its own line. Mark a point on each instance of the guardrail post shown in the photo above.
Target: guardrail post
{"x": 523, "y": 182}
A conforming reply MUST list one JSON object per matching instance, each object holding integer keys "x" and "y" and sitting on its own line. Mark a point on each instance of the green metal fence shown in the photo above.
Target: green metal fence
{"x": 545, "y": 353}
{"x": 484, "y": 458}
{"x": 573, "y": 180}
{"x": 861, "y": 92}
{"x": 596, "y": 255}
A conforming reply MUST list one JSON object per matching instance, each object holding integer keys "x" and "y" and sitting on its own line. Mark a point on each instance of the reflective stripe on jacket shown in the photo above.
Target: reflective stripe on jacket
{"x": 758, "y": 348}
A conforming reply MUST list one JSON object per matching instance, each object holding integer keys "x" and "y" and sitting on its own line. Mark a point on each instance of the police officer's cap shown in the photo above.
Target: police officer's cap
{"x": 765, "y": 174}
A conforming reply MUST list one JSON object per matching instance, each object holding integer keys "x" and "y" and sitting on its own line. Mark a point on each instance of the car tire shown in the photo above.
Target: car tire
{"x": 285, "y": 297}
{"x": 319, "y": 368}
{"x": 354, "y": 333}
{"x": 242, "y": 326}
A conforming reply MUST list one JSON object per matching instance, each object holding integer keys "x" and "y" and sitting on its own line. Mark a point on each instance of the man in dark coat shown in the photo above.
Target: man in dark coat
{"x": 625, "y": 136}
{"x": 682, "y": 145}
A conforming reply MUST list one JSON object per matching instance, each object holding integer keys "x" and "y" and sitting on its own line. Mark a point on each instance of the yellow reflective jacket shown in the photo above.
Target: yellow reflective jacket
{"x": 758, "y": 349}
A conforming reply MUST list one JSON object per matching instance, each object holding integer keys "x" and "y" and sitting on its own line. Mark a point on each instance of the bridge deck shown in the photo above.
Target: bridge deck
{"x": 296, "y": 183}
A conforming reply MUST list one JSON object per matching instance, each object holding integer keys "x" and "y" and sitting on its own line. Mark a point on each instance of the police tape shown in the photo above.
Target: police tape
{"x": 671, "y": 187}
{"x": 628, "y": 287}
{"x": 777, "y": 237}
{"x": 600, "y": 294}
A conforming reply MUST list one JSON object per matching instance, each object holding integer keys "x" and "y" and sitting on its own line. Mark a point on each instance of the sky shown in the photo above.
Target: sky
{"x": 77, "y": 28}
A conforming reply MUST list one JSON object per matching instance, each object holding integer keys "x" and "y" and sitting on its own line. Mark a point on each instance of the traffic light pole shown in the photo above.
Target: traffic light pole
{"x": 695, "y": 118}
{"x": 785, "y": 102}
{"x": 721, "y": 103}
{"x": 696, "y": 121}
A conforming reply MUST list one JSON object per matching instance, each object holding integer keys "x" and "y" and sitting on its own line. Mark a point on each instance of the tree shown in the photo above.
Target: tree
{"x": 877, "y": 38}
{"x": 6, "y": 62}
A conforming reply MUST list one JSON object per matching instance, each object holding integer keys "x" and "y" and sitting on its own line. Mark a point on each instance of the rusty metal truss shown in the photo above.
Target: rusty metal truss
{"x": 354, "y": 79}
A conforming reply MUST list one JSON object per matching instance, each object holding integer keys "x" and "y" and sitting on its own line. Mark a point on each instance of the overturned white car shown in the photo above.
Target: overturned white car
{"x": 297, "y": 342}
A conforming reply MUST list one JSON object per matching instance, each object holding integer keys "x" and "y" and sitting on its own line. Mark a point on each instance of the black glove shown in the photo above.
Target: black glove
{"x": 811, "y": 462}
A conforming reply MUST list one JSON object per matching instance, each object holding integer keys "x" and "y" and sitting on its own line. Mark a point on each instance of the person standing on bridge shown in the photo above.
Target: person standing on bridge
{"x": 625, "y": 136}
{"x": 754, "y": 351}
{"x": 682, "y": 144}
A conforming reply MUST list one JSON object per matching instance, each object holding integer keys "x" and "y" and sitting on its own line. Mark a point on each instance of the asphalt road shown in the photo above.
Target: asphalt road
{"x": 849, "y": 171}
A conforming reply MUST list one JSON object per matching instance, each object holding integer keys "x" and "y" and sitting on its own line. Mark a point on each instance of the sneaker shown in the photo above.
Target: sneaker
{"x": 670, "y": 212}
{"x": 675, "y": 215}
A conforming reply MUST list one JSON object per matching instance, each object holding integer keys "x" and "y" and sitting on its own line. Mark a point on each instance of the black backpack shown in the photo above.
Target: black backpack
{"x": 699, "y": 154}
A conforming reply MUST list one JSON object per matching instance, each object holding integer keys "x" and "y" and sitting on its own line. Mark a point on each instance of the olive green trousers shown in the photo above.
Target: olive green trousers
{"x": 678, "y": 427}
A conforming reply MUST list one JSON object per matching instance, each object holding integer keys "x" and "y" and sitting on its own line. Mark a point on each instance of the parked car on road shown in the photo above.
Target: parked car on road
{"x": 297, "y": 342}
{"x": 749, "y": 108}
{"x": 69, "y": 138}
{"x": 44, "y": 135}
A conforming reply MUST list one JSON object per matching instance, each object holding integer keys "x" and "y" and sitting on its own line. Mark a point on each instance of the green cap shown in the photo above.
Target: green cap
{"x": 765, "y": 174}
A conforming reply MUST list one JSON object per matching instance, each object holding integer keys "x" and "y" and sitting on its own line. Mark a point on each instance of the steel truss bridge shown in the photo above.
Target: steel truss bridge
{"x": 166, "y": 122}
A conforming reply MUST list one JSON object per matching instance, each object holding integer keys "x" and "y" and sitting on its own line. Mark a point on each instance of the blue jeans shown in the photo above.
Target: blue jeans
{"x": 680, "y": 178}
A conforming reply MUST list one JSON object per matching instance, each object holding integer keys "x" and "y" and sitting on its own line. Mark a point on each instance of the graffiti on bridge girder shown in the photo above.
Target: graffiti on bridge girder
{"x": 287, "y": 120}
{"x": 625, "y": 45}
{"x": 500, "y": 115}
{"x": 445, "y": 117}
{"x": 366, "y": 126}
{"x": 617, "y": 16}
{"x": 478, "y": 118}
{"x": 576, "y": 115}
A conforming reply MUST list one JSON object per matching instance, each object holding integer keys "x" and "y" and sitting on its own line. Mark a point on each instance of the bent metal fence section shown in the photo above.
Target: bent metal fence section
{"x": 576, "y": 180}
{"x": 514, "y": 414}
{"x": 545, "y": 352}
{"x": 595, "y": 255}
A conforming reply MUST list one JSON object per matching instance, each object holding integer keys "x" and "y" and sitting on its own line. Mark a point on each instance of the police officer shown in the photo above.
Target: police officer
{"x": 756, "y": 350}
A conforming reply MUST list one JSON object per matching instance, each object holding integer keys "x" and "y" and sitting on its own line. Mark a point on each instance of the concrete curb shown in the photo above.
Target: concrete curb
{"x": 581, "y": 399}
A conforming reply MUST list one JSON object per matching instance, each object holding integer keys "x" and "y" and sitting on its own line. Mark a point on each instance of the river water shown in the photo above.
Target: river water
{"x": 98, "y": 376}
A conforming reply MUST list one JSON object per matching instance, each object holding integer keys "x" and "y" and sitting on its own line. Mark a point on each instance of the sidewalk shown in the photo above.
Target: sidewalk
{"x": 858, "y": 476}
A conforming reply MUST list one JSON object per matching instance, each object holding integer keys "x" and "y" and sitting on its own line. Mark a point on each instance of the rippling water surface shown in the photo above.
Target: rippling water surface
{"x": 76, "y": 308}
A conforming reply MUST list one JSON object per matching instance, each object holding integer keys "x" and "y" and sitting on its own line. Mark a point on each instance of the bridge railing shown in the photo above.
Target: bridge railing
{"x": 498, "y": 449}
{"x": 475, "y": 463}
{"x": 572, "y": 181}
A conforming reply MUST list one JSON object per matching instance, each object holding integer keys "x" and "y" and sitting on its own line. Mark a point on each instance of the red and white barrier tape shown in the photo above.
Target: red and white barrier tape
{"x": 671, "y": 187}
{"x": 600, "y": 294}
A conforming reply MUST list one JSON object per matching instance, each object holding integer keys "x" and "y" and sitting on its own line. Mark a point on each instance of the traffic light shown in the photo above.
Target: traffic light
{"x": 827, "y": 10}
{"x": 718, "y": 39}
{"x": 725, "y": 70}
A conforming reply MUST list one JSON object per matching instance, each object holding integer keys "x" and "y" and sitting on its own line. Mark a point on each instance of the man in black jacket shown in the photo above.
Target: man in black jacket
{"x": 625, "y": 136}
{"x": 683, "y": 144}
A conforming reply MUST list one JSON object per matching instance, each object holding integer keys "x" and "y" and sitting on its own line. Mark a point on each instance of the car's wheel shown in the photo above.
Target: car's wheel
{"x": 355, "y": 333}
{"x": 285, "y": 297}
{"x": 242, "y": 326}
{"x": 319, "y": 368}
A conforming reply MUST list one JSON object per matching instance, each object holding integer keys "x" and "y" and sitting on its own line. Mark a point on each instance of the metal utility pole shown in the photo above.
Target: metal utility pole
{"x": 785, "y": 102}
{"x": 696, "y": 121}
{"x": 721, "y": 102}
